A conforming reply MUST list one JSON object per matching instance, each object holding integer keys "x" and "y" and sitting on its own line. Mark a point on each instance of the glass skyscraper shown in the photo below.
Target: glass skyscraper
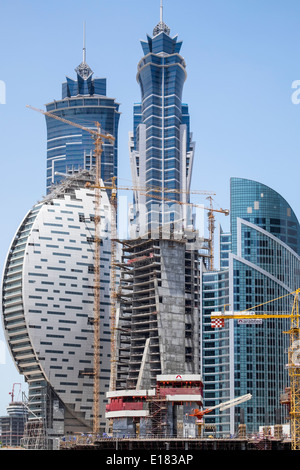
{"x": 158, "y": 334}
{"x": 161, "y": 149}
{"x": 259, "y": 262}
{"x": 70, "y": 149}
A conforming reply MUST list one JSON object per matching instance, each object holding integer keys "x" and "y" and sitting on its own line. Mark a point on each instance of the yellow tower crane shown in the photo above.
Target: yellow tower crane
{"x": 211, "y": 228}
{"x": 113, "y": 356}
{"x": 293, "y": 353}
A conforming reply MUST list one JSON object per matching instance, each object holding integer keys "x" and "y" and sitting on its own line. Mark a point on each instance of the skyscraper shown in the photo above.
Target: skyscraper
{"x": 47, "y": 307}
{"x": 260, "y": 263}
{"x": 70, "y": 149}
{"x": 161, "y": 147}
{"x": 157, "y": 381}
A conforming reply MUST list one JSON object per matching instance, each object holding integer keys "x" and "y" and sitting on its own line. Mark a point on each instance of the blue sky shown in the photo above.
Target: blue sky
{"x": 242, "y": 57}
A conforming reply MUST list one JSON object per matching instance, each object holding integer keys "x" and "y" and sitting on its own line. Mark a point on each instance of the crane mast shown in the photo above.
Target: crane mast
{"x": 211, "y": 229}
{"x": 294, "y": 372}
{"x": 113, "y": 286}
{"x": 97, "y": 254}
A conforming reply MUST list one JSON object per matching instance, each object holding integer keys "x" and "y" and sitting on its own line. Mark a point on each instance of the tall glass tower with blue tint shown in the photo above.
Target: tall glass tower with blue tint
{"x": 161, "y": 148}
{"x": 259, "y": 262}
{"x": 70, "y": 149}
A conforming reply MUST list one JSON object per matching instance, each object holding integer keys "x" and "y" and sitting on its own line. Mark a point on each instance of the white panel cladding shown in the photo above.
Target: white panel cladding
{"x": 185, "y": 398}
{"x": 127, "y": 414}
{"x": 179, "y": 377}
{"x": 58, "y": 284}
{"x": 131, "y": 393}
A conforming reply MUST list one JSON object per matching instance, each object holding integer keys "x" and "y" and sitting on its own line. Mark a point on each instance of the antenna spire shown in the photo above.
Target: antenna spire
{"x": 161, "y": 26}
{"x": 84, "y": 48}
{"x": 83, "y": 70}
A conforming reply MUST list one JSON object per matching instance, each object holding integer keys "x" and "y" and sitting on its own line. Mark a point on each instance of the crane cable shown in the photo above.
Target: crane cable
{"x": 269, "y": 301}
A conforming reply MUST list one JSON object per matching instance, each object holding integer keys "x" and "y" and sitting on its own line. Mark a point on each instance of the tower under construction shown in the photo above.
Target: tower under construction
{"x": 157, "y": 382}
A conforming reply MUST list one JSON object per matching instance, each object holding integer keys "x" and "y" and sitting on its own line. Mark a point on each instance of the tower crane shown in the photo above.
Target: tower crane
{"x": 211, "y": 228}
{"x": 199, "y": 414}
{"x": 113, "y": 284}
{"x": 293, "y": 353}
{"x": 12, "y": 393}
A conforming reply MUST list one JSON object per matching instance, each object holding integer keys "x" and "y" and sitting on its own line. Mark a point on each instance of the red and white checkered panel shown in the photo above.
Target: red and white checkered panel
{"x": 217, "y": 323}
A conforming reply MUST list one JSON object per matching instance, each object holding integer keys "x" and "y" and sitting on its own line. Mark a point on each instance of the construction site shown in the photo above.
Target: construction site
{"x": 155, "y": 397}
{"x": 178, "y": 445}
{"x": 181, "y": 333}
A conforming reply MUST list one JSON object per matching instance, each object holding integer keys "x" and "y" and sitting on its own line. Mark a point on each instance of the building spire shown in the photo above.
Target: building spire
{"x": 161, "y": 26}
{"x": 83, "y": 70}
{"x": 84, "y": 49}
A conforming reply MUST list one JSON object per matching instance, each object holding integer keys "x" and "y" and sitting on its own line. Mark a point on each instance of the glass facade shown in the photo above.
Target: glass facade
{"x": 215, "y": 351}
{"x": 70, "y": 149}
{"x": 161, "y": 149}
{"x": 259, "y": 262}
{"x": 264, "y": 207}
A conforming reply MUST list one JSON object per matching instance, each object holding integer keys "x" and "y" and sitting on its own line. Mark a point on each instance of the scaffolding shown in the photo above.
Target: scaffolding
{"x": 35, "y": 435}
{"x": 158, "y": 414}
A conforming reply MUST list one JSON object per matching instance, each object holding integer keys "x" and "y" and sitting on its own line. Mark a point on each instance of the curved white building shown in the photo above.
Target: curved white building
{"x": 47, "y": 305}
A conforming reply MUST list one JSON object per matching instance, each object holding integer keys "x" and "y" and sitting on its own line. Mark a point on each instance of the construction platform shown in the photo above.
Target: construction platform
{"x": 175, "y": 445}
